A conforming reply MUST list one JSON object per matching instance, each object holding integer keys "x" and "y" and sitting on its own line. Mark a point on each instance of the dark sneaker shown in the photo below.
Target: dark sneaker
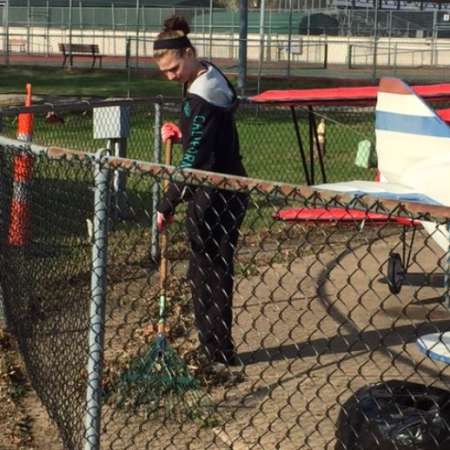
{"x": 234, "y": 361}
{"x": 231, "y": 372}
{"x": 229, "y": 360}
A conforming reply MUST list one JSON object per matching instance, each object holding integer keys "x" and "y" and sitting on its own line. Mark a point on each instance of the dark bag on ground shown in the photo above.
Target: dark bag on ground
{"x": 395, "y": 415}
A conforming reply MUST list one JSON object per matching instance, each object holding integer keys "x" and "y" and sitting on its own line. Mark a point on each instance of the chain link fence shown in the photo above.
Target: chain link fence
{"x": 270, "y": 146}
{"x": 268, "y": 138}
{"x": 314, "y": 314}
{"x": 281, "y": 41}
{"x": 140, "y": 16}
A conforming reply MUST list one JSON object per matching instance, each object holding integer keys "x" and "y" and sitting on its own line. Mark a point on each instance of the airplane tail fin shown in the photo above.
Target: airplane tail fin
{"x": 408, "y": 132}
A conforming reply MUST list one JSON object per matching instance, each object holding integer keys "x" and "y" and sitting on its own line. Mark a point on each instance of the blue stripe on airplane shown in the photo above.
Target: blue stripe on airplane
{"x": 405, "y": 123}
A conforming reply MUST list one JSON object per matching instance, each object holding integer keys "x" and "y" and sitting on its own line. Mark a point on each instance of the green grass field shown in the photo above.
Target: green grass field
{"x": 55, "y": 81}
{"x": 268, "y": 145}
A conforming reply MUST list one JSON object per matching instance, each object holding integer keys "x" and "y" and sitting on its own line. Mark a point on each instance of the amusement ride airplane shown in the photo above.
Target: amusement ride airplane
{"x": 413, "y": 152}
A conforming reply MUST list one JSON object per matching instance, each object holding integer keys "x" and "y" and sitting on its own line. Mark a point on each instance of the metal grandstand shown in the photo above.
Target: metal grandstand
{"x": 391, "y": 4}
{"x": 118, "y": 3}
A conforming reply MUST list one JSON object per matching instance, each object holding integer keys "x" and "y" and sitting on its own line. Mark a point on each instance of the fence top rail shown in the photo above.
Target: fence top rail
{"x": 402, "y": 47}
{"x": 308, "y": 194}
{"x": 263, "y": 98}
{"x": 345, "y": 96}
{"x": 86, "y": 104}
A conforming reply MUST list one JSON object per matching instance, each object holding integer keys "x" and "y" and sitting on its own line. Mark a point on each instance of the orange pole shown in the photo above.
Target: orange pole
{"x": 20, "y": 215}
{"x": 25, "y": 120}
{"x": 28, "y": 98}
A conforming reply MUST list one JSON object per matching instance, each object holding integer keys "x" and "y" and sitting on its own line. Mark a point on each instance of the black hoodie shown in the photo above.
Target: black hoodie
{"x": 209, "y": 136}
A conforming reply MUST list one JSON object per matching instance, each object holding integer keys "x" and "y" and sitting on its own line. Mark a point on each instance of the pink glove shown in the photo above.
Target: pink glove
{"x": 170, "y": 131}
{"x": 163, "y": 221}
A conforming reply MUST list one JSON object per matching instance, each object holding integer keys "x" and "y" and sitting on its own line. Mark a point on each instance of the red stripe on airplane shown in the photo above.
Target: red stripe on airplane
{"x": 339, "y": 215}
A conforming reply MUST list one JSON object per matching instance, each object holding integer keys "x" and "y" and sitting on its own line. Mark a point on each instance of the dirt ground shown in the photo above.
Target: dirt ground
{"x": 311, "y": 328}
{"x": 24, "y": 423}
{"x": 334, "y": 327}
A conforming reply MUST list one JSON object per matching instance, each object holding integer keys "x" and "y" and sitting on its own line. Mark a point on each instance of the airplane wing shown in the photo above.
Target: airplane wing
{"x": 358, "y": 188}
{"x": 352, "y": 215}
{"x": 383, "y": 190}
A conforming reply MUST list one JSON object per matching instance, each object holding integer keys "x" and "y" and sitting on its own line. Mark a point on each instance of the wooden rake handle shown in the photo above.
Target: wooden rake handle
{"x": 163, "y": 241}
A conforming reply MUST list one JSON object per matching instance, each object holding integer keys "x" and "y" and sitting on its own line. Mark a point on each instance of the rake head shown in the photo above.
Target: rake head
{"x": 160, "y": 384}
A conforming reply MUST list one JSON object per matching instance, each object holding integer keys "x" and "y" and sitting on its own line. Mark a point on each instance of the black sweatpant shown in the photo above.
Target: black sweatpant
{"x": 213, "y": 221}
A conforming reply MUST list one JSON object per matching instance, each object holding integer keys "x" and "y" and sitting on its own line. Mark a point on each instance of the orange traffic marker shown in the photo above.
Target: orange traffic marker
{"x": 20, "y": 215}
{"x": 25, "y": 120}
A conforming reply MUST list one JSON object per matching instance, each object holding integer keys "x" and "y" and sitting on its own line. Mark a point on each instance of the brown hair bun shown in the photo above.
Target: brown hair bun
{"x": 177, "y": 23}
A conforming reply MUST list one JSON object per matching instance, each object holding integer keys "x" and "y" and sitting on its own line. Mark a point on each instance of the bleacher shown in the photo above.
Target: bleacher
{"x": 392, "y": 22}
{"x": 400, "y": 5}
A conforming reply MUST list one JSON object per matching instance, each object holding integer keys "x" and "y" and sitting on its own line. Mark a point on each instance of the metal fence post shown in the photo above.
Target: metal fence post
{"x": 97, "y": 307}
{"x": 118, "y": 147}
{"x": 137, "y": 24}
{"x": 243, "y": 30}
{"x": 28, "y": 46}
{"x": 447, "y": 272}
{"x": 127, "y": 52}
{"x": 261, "y": 43}
{"x": 375, "y": 42}
{"x": 113, "y": 123}
{"x": 6, "y": 31}
{"x": 80, "y": 10}
{"x": 395, "y": 58}
{"x": 2, "y": 310}
{"x": 349, "y": 22}
{"x": 289, "y": 40}
{"x": 47, "y": 27}
{"x": 434, "y": 53}
{"x": 154, "y": 251}
{"x": 210, "y": 28}
{"x": 203, "y": 32}
{"x": 70, "y": 34}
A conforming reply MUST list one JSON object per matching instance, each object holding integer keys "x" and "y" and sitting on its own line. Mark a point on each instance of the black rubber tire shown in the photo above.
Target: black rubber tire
{"x": 396, "y": 273}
